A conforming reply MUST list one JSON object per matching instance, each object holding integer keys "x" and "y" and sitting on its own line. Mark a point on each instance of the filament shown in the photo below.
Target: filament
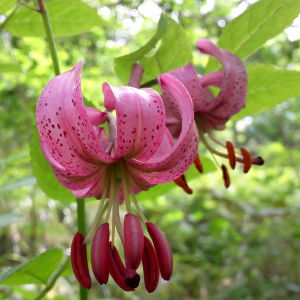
{"x": 134, "y": 199}
{"x": 111, "y": 192}
{"x": 124, "y": 185}
{"x": 116, "y": 213}
{"x": 112, "y": 233}
{"x": 104, "y": 192}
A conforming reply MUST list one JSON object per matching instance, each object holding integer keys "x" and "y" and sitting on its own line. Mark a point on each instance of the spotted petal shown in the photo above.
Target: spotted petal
{"x": 174, "y": 162}
{"x": 140, "y": 120}
{"x": 232, "y": 81}
{"x": 65, "y": 128}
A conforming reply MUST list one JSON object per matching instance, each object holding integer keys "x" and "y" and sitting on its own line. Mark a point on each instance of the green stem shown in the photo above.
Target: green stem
{"x": 149, "y": 83}
{"x": 28, "y": 6}
{"x": 52, "y": 279}
{"x": 81, "y": 228}
{"x": 51, "y": 42}
{"x": 7, "y": 19}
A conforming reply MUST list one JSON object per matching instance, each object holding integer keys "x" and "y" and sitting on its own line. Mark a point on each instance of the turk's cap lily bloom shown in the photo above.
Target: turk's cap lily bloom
{"x": 80, "y": 152}
{"x": 212, "y": 112}
{"x": 138, "y": 153}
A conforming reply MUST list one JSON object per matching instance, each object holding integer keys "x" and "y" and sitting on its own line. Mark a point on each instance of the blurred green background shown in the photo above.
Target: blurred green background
{"x": 240, "y": 243}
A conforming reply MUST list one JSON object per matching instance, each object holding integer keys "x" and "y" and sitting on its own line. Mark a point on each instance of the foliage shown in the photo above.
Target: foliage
{"x": 240, "y": 243}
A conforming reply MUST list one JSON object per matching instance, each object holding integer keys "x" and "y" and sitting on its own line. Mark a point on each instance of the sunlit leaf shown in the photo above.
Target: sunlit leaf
{"x": 44, "y": 174}
{"x": 163, "y": 53}
{"x": 19, "y": 183}
{"x": 6, "y": 5}
{"x": 6, "y": 68}
{"x": 268, "y": 86}
{"x": 67, "y": 17}
{"x": 36, "y": 271}
{"x": 8, "y": 219}
{"x": 261, "y": 22}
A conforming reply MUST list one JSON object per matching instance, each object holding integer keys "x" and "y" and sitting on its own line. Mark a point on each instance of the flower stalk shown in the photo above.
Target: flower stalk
{"x": 81, "y": 228}
{"x": 52, "y": 47}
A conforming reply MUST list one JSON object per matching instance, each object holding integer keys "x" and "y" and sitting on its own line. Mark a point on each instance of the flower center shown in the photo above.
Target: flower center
{"x": 116, "y": 174}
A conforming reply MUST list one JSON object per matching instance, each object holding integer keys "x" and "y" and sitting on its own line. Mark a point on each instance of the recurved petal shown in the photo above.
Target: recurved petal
{"x": 177, "y": 160}
{"x": 187, "y": 75}
{"x": 134, "y": 241}
{"x": 65, "y": 127}
{"x": 95, "y": 116}
{"x": 79, "y": 261}
{"x": 233, "y": 89}
{"x": 150, "y": 266}
{"x": 163, "y": 250}
{"x": 71, "y": 180}
{"x": 140, "y": 120}
{"x": 152, "y": 173}
{"x": 94, "y": 188}
{"x": 100, "y": 254}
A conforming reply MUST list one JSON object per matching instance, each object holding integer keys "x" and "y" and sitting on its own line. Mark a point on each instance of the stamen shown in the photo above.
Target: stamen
{"x": 112, "y": 127}
{"x": 136, "y": 203}
{"x": 116, "y": 212}
{"x": 124, "y": 185}
{"x": 258, "y": 161}
{"x": 131, "y": 192}
{"x": 231, "y": 155}
{"x": 210, "y": 133}
{"x": 207, "y": 145}
{"x": 180, "y": 181}
{"x": 247, "y": 160}
{"x": 198, "y": 164}
{"x": 111, "y": 192}
{"x": 226, "y": 176}
{"x": 103, "y": 197}
{"x": 113, "y": 230}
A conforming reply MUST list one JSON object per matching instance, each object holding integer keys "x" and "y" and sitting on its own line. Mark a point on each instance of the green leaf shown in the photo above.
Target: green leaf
{"x": 35, "y": 271}
{"x": 44, "y": 174}
{"x": 8, "y": 219}
{"x": 262, "y": 21}
{"x": 19, "y": 183}
{"x": 6, "y": 5}
{"x": 67, "y": 17}
{"x": 167, "y": 50}
{"x": 192, "y": 173}
{"x": 5, "y": 68}
{"x": 268, "y": 87}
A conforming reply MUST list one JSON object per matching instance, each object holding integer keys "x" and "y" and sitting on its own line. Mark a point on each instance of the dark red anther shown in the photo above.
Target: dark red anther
{"x": 117, "y": 269}
{"x": 118, "y": 260}
{"x": 198, "y": 164}
{"x": 79, "y": 261}
{"x": 247, "y": 160}
{"x": 150, "y": 266}
{"x": 257, "y": 161}
{"x": 231, "y": 155}
{"x": 132, "y": 278}
{"x": 180, "y": 181}
{"x": 134, "y": 241}
{"x": 99, "y": 254}
{"x": 226, "y": 176}
{"x": 163, "y": 250}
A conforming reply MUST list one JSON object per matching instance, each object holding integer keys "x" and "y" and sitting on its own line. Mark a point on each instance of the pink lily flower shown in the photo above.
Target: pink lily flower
{"x": 212, "y": 113}
{"x": 138, "y": 153}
